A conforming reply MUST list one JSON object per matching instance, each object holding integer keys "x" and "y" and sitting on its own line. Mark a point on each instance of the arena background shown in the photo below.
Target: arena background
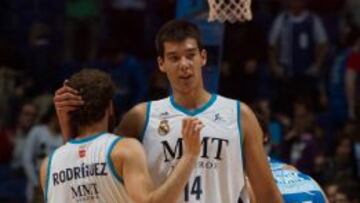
{"x": 299, "y": 90}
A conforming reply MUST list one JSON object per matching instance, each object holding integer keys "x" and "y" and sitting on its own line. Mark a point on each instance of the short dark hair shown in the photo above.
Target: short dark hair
{"x": 97, "y": 90}
{"x": 176, "y": 31}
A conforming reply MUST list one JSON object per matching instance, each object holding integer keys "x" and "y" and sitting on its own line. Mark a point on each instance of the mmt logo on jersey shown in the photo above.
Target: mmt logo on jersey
{"x": 212, "y": 157}
{"x": 85, "y": 192}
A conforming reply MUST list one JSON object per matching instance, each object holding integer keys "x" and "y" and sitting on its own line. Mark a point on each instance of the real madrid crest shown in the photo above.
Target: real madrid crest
{"x": 164, "y": 127}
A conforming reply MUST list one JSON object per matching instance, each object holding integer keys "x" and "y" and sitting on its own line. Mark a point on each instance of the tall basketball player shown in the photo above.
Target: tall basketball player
{"x": 96, "y": 166}
{"x": 231, "y": 140}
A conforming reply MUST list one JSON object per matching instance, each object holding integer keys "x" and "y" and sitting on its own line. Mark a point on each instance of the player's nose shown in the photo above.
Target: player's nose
{"x": 184, "y": 63}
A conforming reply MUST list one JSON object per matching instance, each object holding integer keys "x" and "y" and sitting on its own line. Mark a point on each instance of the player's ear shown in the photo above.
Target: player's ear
{"x": 203, "y": 55}
{"x": 160, "y": 61}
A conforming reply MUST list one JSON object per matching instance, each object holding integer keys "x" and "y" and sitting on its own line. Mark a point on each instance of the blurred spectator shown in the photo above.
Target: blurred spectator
{"x": 6, "y": 146}
{"x": 344, "y": 191}
{"x": 126, "y": 20}
{"x": 352, "y": 81}
{"x": 331, "y": 189}
{"x": 159, "y": 87}
{"x": 275, "y": 128}
{"x": 352, "y": 8}
{"x": 297, "y": 44}
{"x": 7, "y": 86}
{"x": 39, "y": 57}
{"x": 82, "y": 28}
{"x": 25, "y": 121}
{"x": 127, "y": 72}
{"x": 40, "y": 142}
{"x": 342, "y": 166}
{"x": 338, "y": 106}
{"x": 300, "y": 146}
{"x": 247, "y": 82}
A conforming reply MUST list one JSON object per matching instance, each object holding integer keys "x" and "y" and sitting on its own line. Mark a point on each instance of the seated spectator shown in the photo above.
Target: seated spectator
{"x": 25, "y": 121}
{"x": 342, "y": 165}
{"x": 300, "y": 145}
{"x": 42, "y": 139}
{"x": 352, "y": 81}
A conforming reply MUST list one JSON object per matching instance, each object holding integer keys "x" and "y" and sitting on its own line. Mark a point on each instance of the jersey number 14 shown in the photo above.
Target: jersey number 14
{"x": 195, "y": 189}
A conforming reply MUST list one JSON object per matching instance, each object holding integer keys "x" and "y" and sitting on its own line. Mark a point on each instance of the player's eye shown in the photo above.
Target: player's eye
{"x": 173, "y": 58}
{"x": 191, "y": 56}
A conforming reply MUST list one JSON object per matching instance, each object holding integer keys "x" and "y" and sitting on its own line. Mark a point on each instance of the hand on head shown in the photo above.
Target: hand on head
{"x": 67, "y": 99}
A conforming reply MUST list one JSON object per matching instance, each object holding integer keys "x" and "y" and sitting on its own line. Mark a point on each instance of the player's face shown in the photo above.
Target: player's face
{"x": 182, "y": 62}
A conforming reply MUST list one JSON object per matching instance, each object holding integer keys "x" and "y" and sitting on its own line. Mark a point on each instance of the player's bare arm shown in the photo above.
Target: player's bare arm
{"x": 257, "y": 168}
{"x": 133, "y": 121}
{"x": 43, "y": 174}
{"x": 129, "y": 159}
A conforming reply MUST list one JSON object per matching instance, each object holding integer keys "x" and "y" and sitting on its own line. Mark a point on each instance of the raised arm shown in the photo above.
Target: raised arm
{"x": 129, "y": 159}
{"x": 257, "y": 167}
{"x": 66, "y": 99}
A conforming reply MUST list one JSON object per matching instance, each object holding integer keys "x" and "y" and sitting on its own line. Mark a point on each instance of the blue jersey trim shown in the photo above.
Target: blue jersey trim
{"x": 86, "y": 139}
{"x": 48, "y": 176}
{"x": 311, "y": 196}
{"x": 194, "y": 111}
{"x": 111, "y": 164}
{"x": 147, "y": 117}
{"x": 239, "y": 123}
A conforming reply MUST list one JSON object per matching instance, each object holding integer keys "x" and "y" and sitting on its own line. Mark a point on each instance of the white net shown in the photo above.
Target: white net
{"x": 230, "y": 10}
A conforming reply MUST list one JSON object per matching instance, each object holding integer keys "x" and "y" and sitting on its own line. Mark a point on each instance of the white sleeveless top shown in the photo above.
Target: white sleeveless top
{"x": 82, "y": 171}
{"x": 218, "y": 176}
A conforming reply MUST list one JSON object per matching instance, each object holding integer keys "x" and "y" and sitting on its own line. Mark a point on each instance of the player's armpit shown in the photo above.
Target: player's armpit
{"x": 133, "y": 121}
{"x": 43, "y": 169}
{"x": 256, "y": 164}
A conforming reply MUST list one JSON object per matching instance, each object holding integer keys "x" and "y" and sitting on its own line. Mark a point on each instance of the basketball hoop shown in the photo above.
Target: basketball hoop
{"x": 230, "y": 10}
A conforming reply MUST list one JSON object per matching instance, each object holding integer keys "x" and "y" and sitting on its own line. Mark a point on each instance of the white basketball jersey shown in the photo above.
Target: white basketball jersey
{"x": 218, "y": 176}
{"x": 82, "y": 171}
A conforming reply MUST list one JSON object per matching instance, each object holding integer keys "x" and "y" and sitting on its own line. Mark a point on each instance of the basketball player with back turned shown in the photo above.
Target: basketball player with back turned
{"x": 97, "y": 166}
{"x": 231, "y": 140}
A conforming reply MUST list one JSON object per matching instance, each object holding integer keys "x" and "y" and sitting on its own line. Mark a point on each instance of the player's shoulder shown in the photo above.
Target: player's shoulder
{"x": 132, "y": 122}
{"x": 126, "y": 147}
{"x": 242, "y": 107}
{"x": 224, "y": 101}
{"x": 138, "y": 109}
{"x": 245, "y": 109}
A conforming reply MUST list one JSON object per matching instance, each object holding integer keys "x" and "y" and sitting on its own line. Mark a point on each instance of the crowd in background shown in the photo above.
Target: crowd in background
{"x": 297, "y": 63}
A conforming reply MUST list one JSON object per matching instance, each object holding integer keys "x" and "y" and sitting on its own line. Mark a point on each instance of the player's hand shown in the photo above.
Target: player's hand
{"x": 67, "y": 99}
{"x": 191, "y": 128}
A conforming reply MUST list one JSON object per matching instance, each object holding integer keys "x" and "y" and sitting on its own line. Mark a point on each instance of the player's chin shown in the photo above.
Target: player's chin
{"x": 184, "y": 89}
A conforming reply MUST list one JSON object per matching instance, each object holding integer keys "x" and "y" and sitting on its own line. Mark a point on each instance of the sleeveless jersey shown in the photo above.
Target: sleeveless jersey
{"x": 218, "y": 175}
{"x": 295, "y": 186}
{"x": 82, "y": 171}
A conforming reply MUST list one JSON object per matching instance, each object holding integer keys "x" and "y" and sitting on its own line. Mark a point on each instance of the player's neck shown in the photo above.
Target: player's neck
{"x": 87, "y": 131}
{"x": 193, "y": 99}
